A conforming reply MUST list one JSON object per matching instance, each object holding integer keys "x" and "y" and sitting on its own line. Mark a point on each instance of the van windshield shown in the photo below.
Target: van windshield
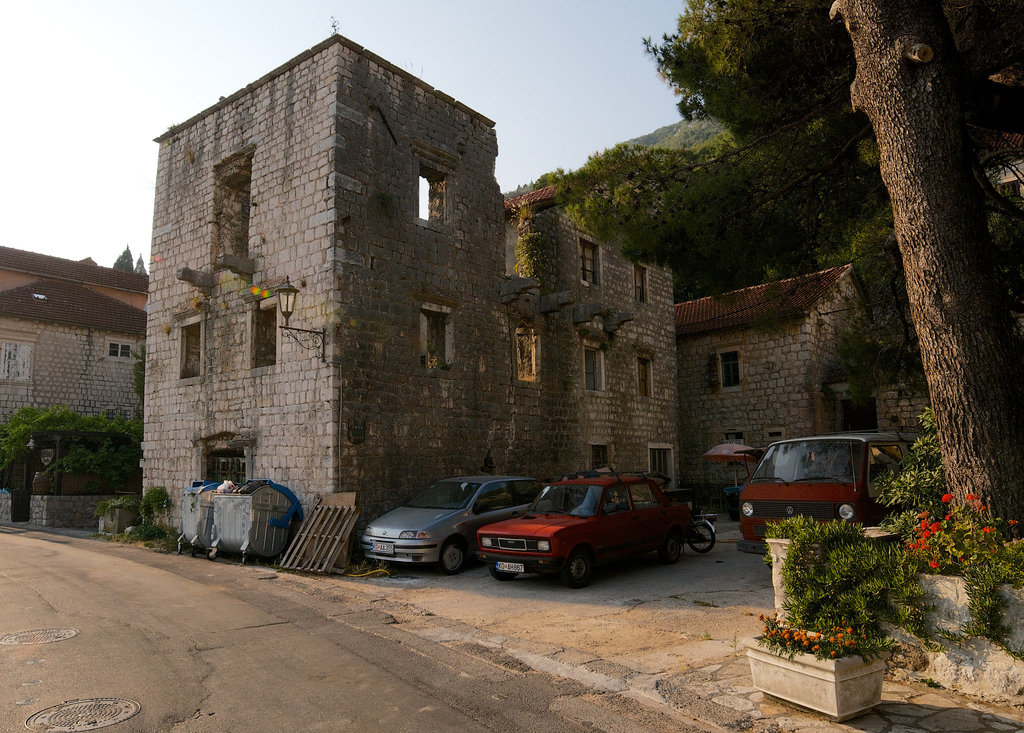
{"x": 815, "y": 459}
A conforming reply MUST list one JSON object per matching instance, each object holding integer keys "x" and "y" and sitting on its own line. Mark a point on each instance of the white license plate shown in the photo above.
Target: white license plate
{"x": 511, "y": 567}
{"x": 384, "y": 548}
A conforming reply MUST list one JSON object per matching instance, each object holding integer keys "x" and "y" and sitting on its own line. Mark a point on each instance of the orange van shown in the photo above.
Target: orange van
{"x": 828, "y": 477}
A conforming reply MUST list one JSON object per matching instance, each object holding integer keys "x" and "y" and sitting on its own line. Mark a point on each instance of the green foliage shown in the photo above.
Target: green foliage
{"x": 533, "y": 257}
{"x": 154, "y": 501}
{"x": 837, "y": 578}
{"x": 112, "y": 458}
{"x": 126, "y": 502}
{"x": 833, "y": 643}
{"x": 920, "y": 484}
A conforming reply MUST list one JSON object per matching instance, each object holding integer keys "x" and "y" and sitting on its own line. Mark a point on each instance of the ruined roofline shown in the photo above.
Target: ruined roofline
{"x": 305, "y": 56}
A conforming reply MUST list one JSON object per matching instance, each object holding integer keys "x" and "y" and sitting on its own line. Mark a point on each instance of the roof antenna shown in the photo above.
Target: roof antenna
{"x": 334, "y": 25}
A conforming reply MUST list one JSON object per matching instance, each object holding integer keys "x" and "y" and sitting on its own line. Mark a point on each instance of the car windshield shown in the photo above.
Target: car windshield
{"x": 446, "y": 494}
{"x": 581, "y": 500}
{"x": 818, "y": 459}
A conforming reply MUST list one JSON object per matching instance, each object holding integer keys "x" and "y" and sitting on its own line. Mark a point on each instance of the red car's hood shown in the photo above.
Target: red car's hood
{"x": 532, "y": 525}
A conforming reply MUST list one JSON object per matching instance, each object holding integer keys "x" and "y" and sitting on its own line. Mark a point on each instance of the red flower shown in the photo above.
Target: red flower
{"x": 936, "y": 527}
{"x": 948, "y": 516}
{"x": 971, "y": 497}
{"x": 926, "y": 534}
{"x": 1012, "y": 522}
{"x": 946, "y": 498}
{"x": 987, "y": 529}
{"x": 934, "y": 564}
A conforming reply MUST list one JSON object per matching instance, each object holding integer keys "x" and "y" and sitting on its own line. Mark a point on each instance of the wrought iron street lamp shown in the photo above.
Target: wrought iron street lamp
{"x": 304, "y": 337}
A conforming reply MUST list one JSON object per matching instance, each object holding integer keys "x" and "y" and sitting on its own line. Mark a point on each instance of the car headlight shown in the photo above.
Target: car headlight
{"x": 543, "y": 546}
{"x": 847, "y": 512}
{"x": 414, "y": 534}
{"x": 485, "y": 541}
{"x": 370, "y": 531}
{"x": 747, "y": 509}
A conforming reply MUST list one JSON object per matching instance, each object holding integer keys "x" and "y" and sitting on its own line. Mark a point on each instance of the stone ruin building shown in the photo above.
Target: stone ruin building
{"x": 420, "y": 345}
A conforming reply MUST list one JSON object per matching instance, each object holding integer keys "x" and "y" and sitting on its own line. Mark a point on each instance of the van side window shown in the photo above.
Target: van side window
{"x": 884, "y": 459}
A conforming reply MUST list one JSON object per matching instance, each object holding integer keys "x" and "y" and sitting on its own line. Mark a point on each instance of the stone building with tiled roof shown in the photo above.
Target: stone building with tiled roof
{"x": 68, "y": 334}
{"x": 761, "y": 364}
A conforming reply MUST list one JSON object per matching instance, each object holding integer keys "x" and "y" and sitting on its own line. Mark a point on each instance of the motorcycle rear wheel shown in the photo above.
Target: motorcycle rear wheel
{"x": 700, "y": 537}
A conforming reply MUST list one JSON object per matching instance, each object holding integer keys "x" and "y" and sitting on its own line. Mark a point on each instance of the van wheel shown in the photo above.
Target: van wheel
{"x": 578, "y": 568}
{"x": 453, "y": 556}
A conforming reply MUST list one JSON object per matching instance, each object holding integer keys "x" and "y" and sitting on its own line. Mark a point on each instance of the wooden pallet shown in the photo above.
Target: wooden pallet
{"x": 322, "y": 541}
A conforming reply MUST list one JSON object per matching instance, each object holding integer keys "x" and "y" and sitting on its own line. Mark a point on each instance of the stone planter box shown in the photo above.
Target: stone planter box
{"x": 839, "y": 688}
{"x": 117, "y": 521}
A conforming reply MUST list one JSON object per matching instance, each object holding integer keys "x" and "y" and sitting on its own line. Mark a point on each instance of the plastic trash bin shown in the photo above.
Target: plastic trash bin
{"x": 196, "y": 516}
{"x": 254, "y": 523}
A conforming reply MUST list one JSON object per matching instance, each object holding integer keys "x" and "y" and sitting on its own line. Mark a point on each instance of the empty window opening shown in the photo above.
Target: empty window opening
{"x": 121, "y": 351}
{"x": 640, "y": 284}
{"x": 191, "y": 350}
{"x": 643, "y": 376}
{"x": 431, "y": 194}
{"x": 599, "y": 456}
{"x": 264, "y": 343}
{"x": 730, "y": 368}
{"x": 526, "y": 354}
{"x": 435, "y": 336}
{"x": 593, "y": 368}
{"x": 733, "y": 436}
{"x": 588, "y": 261}
{"x": 231, "y": 204}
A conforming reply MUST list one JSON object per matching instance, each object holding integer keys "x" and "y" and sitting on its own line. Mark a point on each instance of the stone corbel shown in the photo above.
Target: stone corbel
{"x": 555, "y": 301}
{"x": 238, "y": 265}
{"x": 585, "y": 313}
{"x": 614, "y": 321}
{"x": 204, "y": 281}
{"x": 513, "y": 287}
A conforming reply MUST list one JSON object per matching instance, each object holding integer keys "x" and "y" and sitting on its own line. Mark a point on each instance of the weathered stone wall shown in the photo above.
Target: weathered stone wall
{"x": 70, "y": 366}
{"x": 337, "y": 141}
{"x": 566, "y": 418}
{"x": 5, "y": 506}
{"x": 66, "y": 511}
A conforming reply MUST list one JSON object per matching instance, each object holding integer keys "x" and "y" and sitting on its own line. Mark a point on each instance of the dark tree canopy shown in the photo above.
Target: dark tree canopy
{"x": 124, "y": 262}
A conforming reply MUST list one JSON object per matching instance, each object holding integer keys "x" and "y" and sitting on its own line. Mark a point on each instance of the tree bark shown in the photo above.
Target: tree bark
{"x": 970, "y": 346}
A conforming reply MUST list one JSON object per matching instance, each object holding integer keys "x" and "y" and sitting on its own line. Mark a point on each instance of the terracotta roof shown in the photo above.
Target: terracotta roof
{"x": 58, "y": 268}
{"x": 541, "y": 198}
{"x": 46, "y": 301}
{"x": 781, "y": 299}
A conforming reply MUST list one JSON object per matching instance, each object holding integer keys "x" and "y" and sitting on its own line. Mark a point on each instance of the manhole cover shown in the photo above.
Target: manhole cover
{"x": 79, "y": 715}
{"x": 39, "y": 636}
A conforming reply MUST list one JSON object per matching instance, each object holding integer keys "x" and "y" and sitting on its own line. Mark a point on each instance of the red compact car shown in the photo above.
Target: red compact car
{"x": 582, "y": 521}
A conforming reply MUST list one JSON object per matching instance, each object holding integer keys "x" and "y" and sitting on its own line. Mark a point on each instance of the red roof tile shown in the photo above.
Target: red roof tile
{"x": 58, "y": 268}
{"x": 46, "y": 301}
{"x": 781, "y": 299}
{"x": 541, "y": 198}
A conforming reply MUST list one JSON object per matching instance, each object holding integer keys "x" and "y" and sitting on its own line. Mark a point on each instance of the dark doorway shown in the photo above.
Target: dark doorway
{"x": 862, "y": 416}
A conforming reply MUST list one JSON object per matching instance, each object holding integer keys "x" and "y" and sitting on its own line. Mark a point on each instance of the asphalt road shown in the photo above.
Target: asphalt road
{"x": 210, "y": 646}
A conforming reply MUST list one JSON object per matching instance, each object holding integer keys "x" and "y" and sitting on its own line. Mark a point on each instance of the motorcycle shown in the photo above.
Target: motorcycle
{"x": 700, "y": 535}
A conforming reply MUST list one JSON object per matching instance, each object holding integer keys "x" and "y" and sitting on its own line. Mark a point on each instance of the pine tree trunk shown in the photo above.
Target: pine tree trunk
{"x": 971, "y": 350}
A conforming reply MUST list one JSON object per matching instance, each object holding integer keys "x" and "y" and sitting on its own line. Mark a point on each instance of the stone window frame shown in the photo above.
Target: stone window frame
{"x": 599, "y": 367}
{"x": 590, "y": 264}
{"x": 116, "y": 350}
{"x": 259, "y": 312}
{"x": 732, "y": 435}
{"x": 644, "y": 375}
{"x": 427, "y": 307}
{"x": 599, "y": 451}
{"x": 232, "y": 196}
{"x": 670, "y": 463}
{"x": 534, "y": 375}
{"x": 738, "y": 383}
{"x": 197, "y": 325}
{"x": 773, "y": 434}
{"x": 639, "y": 283}
{"x": 10, "y": 345}
{"x": 436, "y": 167}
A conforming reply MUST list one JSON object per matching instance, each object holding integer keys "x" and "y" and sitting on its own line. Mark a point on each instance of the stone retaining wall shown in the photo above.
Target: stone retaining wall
{"x": 65, "y": 511}
{"x": 5, "y": 507}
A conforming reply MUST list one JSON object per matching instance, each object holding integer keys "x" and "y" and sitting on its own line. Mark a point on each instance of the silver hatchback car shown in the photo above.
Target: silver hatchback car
{"x": 439, "y": 525}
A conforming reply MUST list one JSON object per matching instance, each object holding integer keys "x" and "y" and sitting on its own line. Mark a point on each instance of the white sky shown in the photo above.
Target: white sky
{"x": 88, "y": 85}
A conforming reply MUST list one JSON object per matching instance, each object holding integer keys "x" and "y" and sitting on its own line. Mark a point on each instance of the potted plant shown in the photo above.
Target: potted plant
{"x": 117, "y": 514}
{"x": 826, "y": 649}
